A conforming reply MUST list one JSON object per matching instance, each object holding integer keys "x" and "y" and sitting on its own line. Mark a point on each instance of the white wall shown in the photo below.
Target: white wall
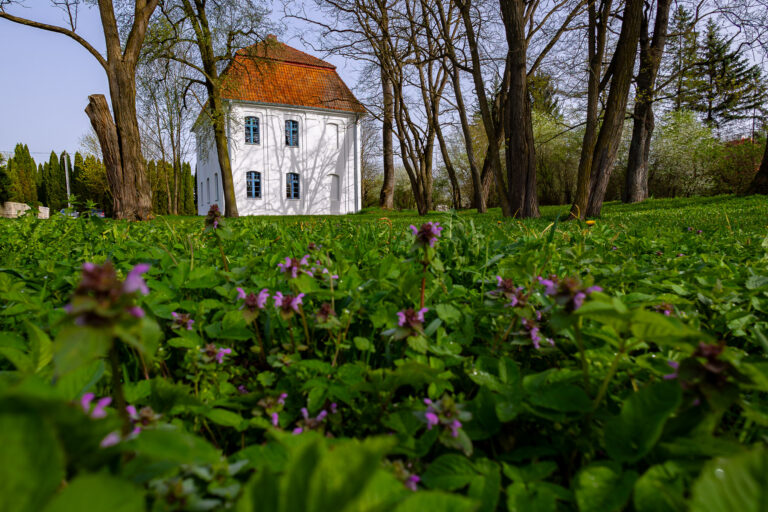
{"x": 328, "y": 145}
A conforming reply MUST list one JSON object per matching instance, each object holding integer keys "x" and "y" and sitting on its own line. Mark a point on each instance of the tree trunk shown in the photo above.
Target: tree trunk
{"x": 609, "y": 137}
{"x": 219, "y": 123}
{"x": 520, "y": 150}
{"x": 596, "y": 36}
{"x": 759, "y": 184}
{"x": 387, "y": 196}
{"x": 101, "y": 120}
{"x": 455, "y": 189}
{"x": 636, "y": 185}
{"x": 492, "y": 128}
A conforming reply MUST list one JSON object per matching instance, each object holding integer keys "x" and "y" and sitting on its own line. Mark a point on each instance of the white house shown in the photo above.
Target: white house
{"x": 293, "y": 136}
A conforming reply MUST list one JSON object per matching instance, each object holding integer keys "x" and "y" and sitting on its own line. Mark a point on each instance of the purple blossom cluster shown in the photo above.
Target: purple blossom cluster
{"x": 211, "y": 353}
{"x": 292, "y": 267}
{"x": 506, "y": 289}
{"x": 411, "y": 319}
{"x": 213, "y": 217}
{"x": 534, "y": 331}
{"x": 253, "y": 302}
{"x": 440, "y": 413}
{"x": 288, "y": 304}
{"x": 568, "y": 291}
{"x": 182, "y": 321}
{"x": 427, "y": 234}
{"x": 309, "y": 423}
{"x": 139, "y": 419}
{"x": 101, "y": 298}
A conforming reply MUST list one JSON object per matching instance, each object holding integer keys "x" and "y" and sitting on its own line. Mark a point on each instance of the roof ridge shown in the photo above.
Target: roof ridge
{"x": 264, "y": 46}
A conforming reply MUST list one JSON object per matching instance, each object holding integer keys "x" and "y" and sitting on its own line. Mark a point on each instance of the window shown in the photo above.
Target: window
{"x": 252, "y": 135}
{"x": 216, "y": 184}
{"x": 292, "y": 133}
{"x": 253, "y": 184}
{"x": 208, "y": 187}
{"x": 334, "y": 134}
{"x": 292, "y": 185}
{"x": 335, "y": 188}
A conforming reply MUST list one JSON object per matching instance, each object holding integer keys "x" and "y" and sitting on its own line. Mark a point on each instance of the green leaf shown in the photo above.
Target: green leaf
{"x": 31, "y": 462}
{"x": 755, "y": 282}
{"x": 631, "y": 435}
{"x": 448, "y": 313}
{"x": 602, "y": 487}
{"x": 77, "y": 346}
{"x": 40, "y": 346}
{"x": 655, "y": 327}
{"x": 18, "y": 359}
{"x": 364, "y": 344}
{"x": 449, "y": 472}
{"x": 434, "y": 501}
{"x": 560, "y": 396}
{"x": 530, "y": 498}
{"x": 174, "y": 445}
{"x": 225, "y": 418}
{"x": 98, "y": 493}
{"x": 661, "y": 489}
{"x": 738, "y": 483}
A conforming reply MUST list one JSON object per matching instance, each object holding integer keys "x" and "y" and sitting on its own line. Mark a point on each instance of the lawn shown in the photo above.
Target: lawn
{"x": 348, "y": 363}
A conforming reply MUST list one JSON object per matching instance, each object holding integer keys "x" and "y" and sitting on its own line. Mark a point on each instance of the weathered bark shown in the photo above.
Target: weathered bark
{"x": 636, "y": 184}
{"x": 101, "y": 120}
{"x": 216, "y": 106}
{"x": 759, "y": 184}
{"x": 445, "y": 22}
{"x": 491, "y": 128}
{"x": 596, "y": 41}
{"x": 119, "y": 63}
{"x": 520, "y": 150}
{"x": 455, "y": 188}
{"x": 387, "y": 196}
{"x": 609, "y": 137}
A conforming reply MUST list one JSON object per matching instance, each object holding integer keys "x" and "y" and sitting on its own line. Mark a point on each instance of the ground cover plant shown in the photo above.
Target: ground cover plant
{"x": 388, "y": 362}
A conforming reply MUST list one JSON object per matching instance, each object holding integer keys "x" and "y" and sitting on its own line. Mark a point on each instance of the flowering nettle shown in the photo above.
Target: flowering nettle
{"x": 182, "y": 321}
{"x": 211, "y": 353}
{"x": 409, "y": 322}
{"x": 138, "y": 419}
{"x": 252, "y": 303}
{"x": 535, "y": 332}
{"x": 213, "y": 217}
{"x": 291, "y": 267}
{"x": 102, "y": 299}
{"x": 568, "y": 291}
{"x": 448, "y": 415}
{"x": 287, "y": 305}
{"x": 506, "y": 289}
{"x": 272, "y": 407}
{"x": 427, "y": 234}
{"x": 316, "y": 423}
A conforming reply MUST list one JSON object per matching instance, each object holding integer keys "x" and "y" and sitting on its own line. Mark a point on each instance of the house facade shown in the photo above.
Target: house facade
{"x": 293, "y": 135}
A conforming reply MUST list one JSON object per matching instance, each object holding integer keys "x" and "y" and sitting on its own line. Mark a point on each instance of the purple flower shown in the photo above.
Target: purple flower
{"x": 427, "y": 234}
{"x": 136, "y": 311}
{"x": 454, "y": 427}
{"x": 675, "y": 366}
{"x": 242, "y": 389}
{"x": 254, "y": 302}
{"x": 432, "y": 420}
{"x": 110, "y": 440}
{"x": 98, "y": 411}
{"x": 182, "y": 321}
{"x": 292, "y": 266}
{"x": 275, "y": 419}
{"x": 412, "y": 482}
{"x": 578, "y": 299}
{"x": 287, "y": 303}
{"x": 281, "y": 398}
{"x": 240, "y": 293}
{"x": 220, "y": 353}
{"x": 134, "y": 282}
{"x": 215, "y": 223}
{"x": 334, "y": 408}
{"x": 321, "y": 416}
{"x": 549, "y": 284}
{"x": 411, "y": 318}
{"x": 297, "y": 431}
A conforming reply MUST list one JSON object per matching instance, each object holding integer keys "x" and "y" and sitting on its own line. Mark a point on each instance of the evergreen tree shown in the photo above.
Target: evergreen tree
{"x": 681, "y": 61}
{"x": 731, "y": 87}
{"x": 65, "y": 164}
{"x": 188, "y": 207}
{"x": 22, "y": 174}
{"x": 54, "y": 186}
{"x": 40, "y": 180}
{"x": 5, "y": 181}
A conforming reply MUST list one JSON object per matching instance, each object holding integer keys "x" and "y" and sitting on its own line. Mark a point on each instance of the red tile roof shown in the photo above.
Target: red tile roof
{"x": 273, "y": 72}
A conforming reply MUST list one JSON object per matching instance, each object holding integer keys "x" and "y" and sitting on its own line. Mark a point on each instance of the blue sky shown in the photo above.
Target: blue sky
{"x": 46, "y": 78}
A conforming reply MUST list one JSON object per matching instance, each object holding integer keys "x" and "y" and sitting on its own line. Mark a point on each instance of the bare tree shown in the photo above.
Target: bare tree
{"x": 218, "y": 30}
{"x": 651, "y": 50}
{"x": 118, "y": 135}
{"x": 609, "y": 137}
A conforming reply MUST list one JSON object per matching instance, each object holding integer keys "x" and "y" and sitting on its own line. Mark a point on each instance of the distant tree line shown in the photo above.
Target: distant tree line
{"x": 25, "y": 181}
